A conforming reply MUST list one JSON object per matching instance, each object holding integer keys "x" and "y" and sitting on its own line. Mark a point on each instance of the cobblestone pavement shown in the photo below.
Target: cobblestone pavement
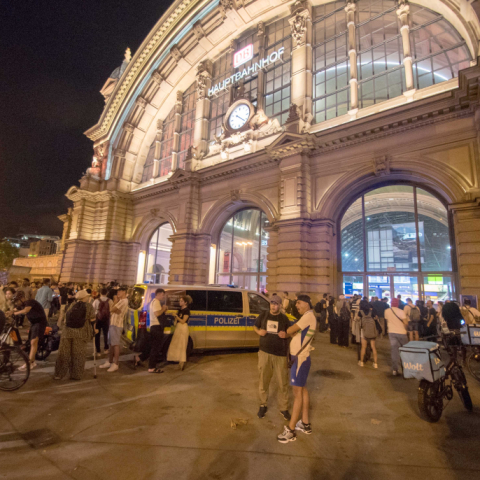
{"x": 135, "y": 425}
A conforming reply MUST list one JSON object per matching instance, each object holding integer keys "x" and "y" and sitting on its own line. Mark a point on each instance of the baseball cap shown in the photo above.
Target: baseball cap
{"x": 305, "y": 298}
{"x": 276, "y": 299}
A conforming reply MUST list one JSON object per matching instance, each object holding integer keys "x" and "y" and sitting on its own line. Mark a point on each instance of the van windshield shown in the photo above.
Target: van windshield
{"x": 136, "y": 298}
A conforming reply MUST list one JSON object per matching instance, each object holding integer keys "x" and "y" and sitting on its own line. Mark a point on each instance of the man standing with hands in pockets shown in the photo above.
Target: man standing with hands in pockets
{"x": 272, "y": 326}
{"x": 300, "y": 346}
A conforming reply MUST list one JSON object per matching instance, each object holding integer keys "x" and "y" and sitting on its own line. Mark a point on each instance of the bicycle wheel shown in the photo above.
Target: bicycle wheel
{"x": 473, "y": 364}
{"x": 12, "y": 376}
{"x": 429, "y": 403}
{"x": 465, "y": 397}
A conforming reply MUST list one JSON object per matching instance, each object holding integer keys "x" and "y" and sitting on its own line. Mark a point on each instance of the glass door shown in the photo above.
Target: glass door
{"x": 379, "y": 286}
{"x": 438, "y": 288}
{"x": 407, "y": 287}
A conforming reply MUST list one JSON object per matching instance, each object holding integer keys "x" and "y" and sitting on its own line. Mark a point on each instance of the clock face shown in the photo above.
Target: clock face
{"x": 239, "y": 117}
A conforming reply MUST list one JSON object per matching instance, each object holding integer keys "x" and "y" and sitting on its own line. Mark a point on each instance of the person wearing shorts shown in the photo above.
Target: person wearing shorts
{"x": 35, "y": 313}
{"x": 118, "y": 312}
{"x": 302, "y": 333}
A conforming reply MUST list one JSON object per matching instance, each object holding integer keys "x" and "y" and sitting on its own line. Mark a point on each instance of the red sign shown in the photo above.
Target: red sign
{"x": 243, "y": 55}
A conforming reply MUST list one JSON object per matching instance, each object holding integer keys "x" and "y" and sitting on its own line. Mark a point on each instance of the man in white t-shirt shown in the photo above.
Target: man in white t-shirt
{"x": 117, "y": 316}
{"x": 397, "y": 322}
{"x": 300, "y": 346}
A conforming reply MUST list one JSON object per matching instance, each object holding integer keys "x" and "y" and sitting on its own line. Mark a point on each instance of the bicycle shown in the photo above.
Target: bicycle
{"x": 473, "y": 362}
{"x": 12, "y": 358}
{"x": 431, "y": 394}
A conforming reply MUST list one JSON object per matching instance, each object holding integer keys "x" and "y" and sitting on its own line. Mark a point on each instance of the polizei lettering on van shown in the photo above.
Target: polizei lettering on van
{"x": 226, "y": 321}
{"x": 413, "y": 366}
{"x": 236, "y": 77}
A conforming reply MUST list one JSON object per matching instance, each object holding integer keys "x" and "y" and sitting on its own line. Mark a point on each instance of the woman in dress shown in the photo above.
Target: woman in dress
{"x": 177, "y": 351}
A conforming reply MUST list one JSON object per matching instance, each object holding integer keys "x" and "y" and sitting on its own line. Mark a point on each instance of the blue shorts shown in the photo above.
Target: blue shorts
{"x": 299, "y": 379}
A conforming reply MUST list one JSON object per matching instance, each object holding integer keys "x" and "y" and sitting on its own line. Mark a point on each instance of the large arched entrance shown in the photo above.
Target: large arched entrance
{"x": 157, "y": 261}
{"x": 242, "y": 250}
{"x": 396, "y": 240}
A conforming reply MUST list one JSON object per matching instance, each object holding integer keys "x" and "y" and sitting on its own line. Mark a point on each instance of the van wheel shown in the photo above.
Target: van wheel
{"x": 189, "y": 347}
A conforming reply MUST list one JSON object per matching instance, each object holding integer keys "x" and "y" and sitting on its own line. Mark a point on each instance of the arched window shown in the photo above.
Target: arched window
{"x": 395, "y": 240}
{"x": 242, "y": 251}
{"x": 166, "y": 147}
{"x": 278, "y": 74}
{"x": 438, "y": 53}
{"x": 158, "y": 256}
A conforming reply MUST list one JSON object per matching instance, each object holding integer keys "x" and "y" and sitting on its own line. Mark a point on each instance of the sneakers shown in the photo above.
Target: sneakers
{"x": 394, "y": 373}
{"x": 262, "y": 411}
{"x": 113, "y": 368}
{"x": 287, "y": 435}
{"x": 107, "y": 364}
{"x": 360, "y": 363}
{"x": 375, "y": 365}
{"x": 286, "y": 415}
{"x": 303, "y": 427}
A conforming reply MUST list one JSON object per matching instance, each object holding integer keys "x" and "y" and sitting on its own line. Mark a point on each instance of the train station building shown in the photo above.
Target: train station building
{"x": 310, "y": 146}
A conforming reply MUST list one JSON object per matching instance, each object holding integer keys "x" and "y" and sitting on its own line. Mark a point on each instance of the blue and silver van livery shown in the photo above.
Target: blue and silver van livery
{"x": 221, "y": 317}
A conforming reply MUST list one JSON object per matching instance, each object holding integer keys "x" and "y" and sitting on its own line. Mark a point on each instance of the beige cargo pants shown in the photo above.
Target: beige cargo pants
{"x": 268, "y": 366}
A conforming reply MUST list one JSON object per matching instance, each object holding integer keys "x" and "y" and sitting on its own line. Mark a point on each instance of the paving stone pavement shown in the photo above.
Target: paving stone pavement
{"x": 134, "y": 425}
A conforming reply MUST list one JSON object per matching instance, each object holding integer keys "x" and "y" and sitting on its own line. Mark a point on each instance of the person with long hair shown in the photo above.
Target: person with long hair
{"x": 332, "y": 320}
{"x": 368, "y": 334}
{"x": 177, "y": 352}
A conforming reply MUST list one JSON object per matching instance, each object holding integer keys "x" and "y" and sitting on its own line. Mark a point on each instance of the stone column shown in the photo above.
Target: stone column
{"x": 466, "y": 223}
{"x": 302, "y": 58}
{"x": 177, "y": 129}
{"x": 158, "y": 148}
{"x": 261, "y": 73}
{"x": 403, "y": 12}
{"x": 352, "y": 53}
{"x": 202, "y": 114}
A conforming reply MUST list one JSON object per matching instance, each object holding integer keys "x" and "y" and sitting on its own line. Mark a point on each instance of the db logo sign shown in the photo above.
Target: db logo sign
{"x": 243, "y": 55}
{"x": 413, "y": 366}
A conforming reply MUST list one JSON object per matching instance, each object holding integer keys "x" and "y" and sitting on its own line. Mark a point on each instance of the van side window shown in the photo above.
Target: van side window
{"x": 221, "y": 301}
{"x": 257, "y": 303}
{"x": 199, "y": 298}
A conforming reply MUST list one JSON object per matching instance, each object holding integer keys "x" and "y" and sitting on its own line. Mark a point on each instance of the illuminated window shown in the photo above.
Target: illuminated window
{"x": 278, "y": 74}
{"x": 187, "y": 126}
{"x": 158, "y": 255}
{"x": 149, "y": 163}
{"x": 242, "y": 250}
{"x": 222, "y": 68}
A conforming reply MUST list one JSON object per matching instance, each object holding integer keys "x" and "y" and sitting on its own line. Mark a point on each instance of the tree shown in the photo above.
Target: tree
{"x": 7, "y": 253}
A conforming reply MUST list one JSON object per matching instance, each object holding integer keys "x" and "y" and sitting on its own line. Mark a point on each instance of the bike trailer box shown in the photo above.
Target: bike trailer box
{"x": 422, "y": 360}
{"x": 470, "y": 334}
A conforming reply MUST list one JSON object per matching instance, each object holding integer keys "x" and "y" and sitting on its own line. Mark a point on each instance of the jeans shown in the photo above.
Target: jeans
{"x": 101, "y": 326}
{"x": 154, "y": 350}
{"x": 397, "y": 340}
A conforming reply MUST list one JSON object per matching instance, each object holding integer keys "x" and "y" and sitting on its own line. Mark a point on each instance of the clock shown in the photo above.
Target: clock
{"x": 239, "y": 116}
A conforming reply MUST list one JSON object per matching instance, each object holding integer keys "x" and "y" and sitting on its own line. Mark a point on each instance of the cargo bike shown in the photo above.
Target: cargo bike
{"x": 422, "y": 360}
{"x": 470, "y": 335}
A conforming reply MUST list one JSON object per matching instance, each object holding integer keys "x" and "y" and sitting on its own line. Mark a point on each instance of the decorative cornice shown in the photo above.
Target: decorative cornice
{"x": 75, "y": 194}
{"x": 136, "y": 66}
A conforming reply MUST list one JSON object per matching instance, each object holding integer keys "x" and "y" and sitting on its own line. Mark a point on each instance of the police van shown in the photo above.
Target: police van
{"x": 221, "y": 317}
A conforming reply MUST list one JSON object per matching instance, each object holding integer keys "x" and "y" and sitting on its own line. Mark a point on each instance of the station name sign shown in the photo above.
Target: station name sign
{"x": 241, "y": 57}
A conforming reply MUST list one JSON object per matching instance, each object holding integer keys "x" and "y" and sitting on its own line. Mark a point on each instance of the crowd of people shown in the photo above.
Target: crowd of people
{"x": 84, "y": 312}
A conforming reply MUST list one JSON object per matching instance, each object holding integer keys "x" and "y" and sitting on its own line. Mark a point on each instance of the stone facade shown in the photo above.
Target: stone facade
{"x": 302, "y": 175}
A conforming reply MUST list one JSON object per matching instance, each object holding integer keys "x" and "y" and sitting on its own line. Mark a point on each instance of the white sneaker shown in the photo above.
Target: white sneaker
{"x": 394, "y": 373}
{"x": 107, "y": 364}
{"x": 360, "y": 364}
{"x": 375, "y": 365}
{"x": 113, "y": 368}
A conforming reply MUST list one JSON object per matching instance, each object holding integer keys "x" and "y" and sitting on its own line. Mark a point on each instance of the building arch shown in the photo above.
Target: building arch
{"x": 149, "y": 224}
{"x": 227, "y": 206}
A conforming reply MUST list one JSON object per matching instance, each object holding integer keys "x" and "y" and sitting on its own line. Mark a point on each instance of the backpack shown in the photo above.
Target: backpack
{"x": 414, "y": 314}
{"x": 103, "y": 313}
{"x": 344, "y": 312}
{"x": 76, "y": 315}
{"x": 369, "y": 328}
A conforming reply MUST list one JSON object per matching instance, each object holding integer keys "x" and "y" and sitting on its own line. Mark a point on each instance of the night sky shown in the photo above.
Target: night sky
{"x": 55, "y": 57}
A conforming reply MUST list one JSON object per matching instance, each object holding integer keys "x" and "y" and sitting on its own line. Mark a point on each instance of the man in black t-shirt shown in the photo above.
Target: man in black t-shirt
{"x": 431, "y": 319}
{"x": 36, "y": 316}
{"x": 272, "y": 327}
